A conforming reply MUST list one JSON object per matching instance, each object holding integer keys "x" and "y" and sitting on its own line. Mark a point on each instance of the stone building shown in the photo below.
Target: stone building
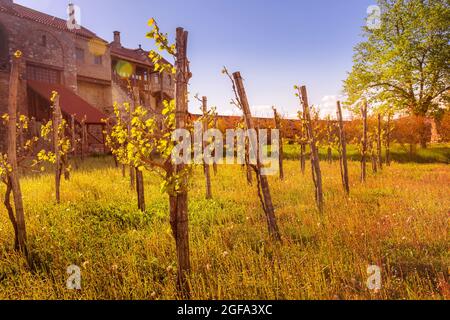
{"x": 89, "y": 73}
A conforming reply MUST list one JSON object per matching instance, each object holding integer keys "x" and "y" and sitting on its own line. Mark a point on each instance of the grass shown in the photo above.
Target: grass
{"x": 437, "y": 153}
{"x": 398, "y": 221}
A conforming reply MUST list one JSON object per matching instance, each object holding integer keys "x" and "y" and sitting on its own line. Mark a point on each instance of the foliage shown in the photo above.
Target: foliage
{"x": 404, "y": 64}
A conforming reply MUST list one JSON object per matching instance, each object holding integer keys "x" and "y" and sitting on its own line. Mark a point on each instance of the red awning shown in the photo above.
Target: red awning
{"x": 70, "y": 102}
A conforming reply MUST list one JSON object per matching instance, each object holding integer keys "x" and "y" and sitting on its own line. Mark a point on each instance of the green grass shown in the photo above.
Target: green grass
{"x": 437, "y": 153}
{"x": 398, "y": 220}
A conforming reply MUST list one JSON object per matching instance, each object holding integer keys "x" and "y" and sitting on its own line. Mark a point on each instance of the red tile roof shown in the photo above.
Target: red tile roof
{"x": 133, "y": 55}
{"x": 71, "y": 103}
{"x": 54, "y": 22}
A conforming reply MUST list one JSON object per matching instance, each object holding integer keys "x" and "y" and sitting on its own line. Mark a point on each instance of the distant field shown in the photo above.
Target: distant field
{"x": 436, "y": 153}
{"x": 398, "y": 221}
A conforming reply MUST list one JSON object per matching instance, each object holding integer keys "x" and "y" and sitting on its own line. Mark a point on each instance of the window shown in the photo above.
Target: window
{"x": 156, "y": 78}
{"x": 80, "y": 54}
{"x": 43, "y": 74}
{"x": 44, "y": 41}
{"x": 98, "y": 60}
{"x": 4, "y": 50}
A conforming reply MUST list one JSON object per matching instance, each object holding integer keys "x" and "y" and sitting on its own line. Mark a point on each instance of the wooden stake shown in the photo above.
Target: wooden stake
{"x": 303, "y": 144}
{"x": 83, "y": 138}
{"x": 215, "y": 127}
{"x": 132, "y": 168}
{"x": 13, "y": 177}
{"x": 364, "y": 142}
{"x": 315, "y": 161}
{"x": 343, "y": 144}
{"x": 206, "y": 167}
{"x": 262, "y": 179}
{"x": 388, "y": 141}
{"x": 278, "y": 126}
{"x": 179, "y": 202}
{"x": 140, "y": 189}
{"x": 379, "y": 144}
{"x": 57, "y": 117}
{"x": 329, "y": 134}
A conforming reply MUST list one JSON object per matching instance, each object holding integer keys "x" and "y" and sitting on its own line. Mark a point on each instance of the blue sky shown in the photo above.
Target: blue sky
{"x": 275, "y": 44}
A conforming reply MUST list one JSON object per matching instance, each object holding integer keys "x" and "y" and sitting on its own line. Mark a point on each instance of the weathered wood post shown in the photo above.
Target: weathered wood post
{"x": 278, "y": 126}
{"x": 343, "y": 145}
{"x": 315, "y": 161}
{"x": 57, "y": 121}
{"x": 388, "y": 140}
{"x": 179, "y": 201}
{"x": 13, "y": 177}
{"x": 262, "y": 179}
{"x": 364, "y": 142}
{"x": 206, "y": 167}
{"x": 140, "y": 189}
{"x": 373, "y": 149}
{"x": 72, "y": 135}
{"x": 132, "y": 168}
{"x": 215, "y": 127}
{"x": 329, "y": 137}
{"x": 135, "y": 173}
{"x": 379, "y": 143}
{"x": 248, "y": 168}
{"x": 83, "y": 138}
{"x": 302, "y": 142}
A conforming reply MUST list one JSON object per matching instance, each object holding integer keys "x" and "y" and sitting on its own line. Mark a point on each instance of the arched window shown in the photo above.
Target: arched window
{"x": 4, "y": 49}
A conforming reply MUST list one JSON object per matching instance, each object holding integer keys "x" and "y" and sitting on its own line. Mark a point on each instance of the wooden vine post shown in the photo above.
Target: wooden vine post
{"x": 206, "y": 167}
{"x": 343, "y": 146}
{"x": 364, "y": 142}
{"x": 388, "y": 140}
{"x": 179, "y": 201}
{"x": 13, "y": 176}
{"x": 315, "y": 161}
{"x": 329, "y": 141}
{"x": 379, "y": 143}
{"x": 262, "y": 179}
{"x": 215, "y": 125}
{"x": 278, "y": 126}
{"x": 303, "y": 142}
{"x": 83, "y": 138}
{"x": 57, "y": 123}
{"x": 138, "y": 173}
{"x": 132, "y": 168}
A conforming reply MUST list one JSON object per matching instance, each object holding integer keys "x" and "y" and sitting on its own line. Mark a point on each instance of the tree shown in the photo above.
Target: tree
{"x": 406, "y": 59}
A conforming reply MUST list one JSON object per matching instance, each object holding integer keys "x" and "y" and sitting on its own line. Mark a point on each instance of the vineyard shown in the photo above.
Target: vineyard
{"x": 396, "y": 221}
{"x": 185, "y": 206}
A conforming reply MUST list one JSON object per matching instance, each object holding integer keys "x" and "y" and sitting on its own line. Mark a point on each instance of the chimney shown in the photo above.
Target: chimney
{"x": 7, "y": 3}
{"x": 116, "y": 41}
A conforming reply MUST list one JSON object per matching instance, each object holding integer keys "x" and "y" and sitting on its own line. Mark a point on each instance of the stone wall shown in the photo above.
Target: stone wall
{"x": 97, "y": 95}
{"x": 88, "y": 68}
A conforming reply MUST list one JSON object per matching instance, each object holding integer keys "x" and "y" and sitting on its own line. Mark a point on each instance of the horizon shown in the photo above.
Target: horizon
{"x": 322, "y": 69}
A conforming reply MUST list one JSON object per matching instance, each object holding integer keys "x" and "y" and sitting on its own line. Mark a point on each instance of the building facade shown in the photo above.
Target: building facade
{"x": 89, "y": 73}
